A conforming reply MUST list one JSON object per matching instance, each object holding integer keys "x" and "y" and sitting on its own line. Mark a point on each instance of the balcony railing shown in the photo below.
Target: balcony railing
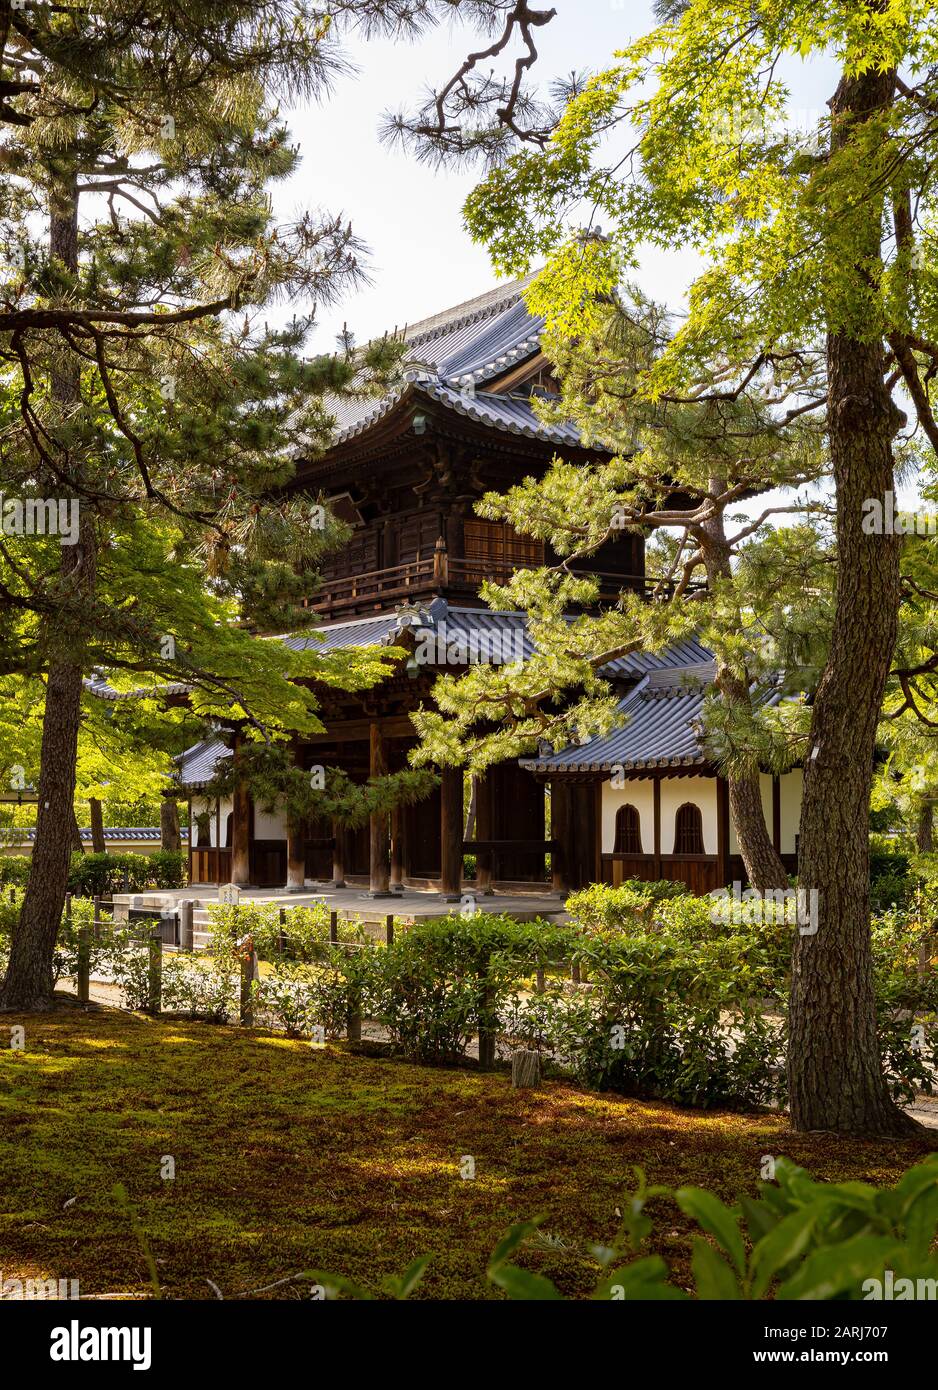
{"x": 440, "y": 572}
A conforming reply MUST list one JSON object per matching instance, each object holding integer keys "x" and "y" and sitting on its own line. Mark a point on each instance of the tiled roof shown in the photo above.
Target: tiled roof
{"x": 97, "y": 685}
{"x": 455, "y": 353}
{"x": 662, "y": 727}
{"x": 147, "y": 833}
{"x": 197, "y": 764}
{"x": 495, "y": 638}
{"x": 457, "y": 623}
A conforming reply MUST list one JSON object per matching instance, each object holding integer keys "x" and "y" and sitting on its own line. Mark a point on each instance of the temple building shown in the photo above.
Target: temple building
{"x": 405, "y": 473}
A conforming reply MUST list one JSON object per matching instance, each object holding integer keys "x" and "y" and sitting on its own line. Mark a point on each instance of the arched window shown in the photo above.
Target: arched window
{"x": 688, "y": 830}
{"x": 628, "y": 831}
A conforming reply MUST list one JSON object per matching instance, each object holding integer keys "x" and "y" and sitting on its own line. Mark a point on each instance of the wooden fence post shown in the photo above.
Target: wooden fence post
{"x": 333, "y": 928}
{"x": 281, "y": 933}
{"x": 155, "y": 974}
{"x": 525, "y": 1068}
{"x": 96, "y": 914}
{"x": 389, "y": 929}
{"x": 83, "y": 980}
{"x": 186, "y": 938}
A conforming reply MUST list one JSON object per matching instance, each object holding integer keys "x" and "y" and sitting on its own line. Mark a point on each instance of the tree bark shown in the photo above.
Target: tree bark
{"x": 170, "y": 837}
{"x": 98, "y": 844}
{"x": 764, "y": 867}
{"x": 834, "y": 1069}
{"x": 29, "y": 979}
{"x": 925, "y": 837}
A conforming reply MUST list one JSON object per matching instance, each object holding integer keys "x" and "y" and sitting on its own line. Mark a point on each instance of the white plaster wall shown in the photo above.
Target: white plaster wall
{"x": 269, "y": 825}
{"x": 641, "y": 795}
{"x": 200, "y": 804}
{"x": 790, "y": 789}
{"x": 702, "y": 791}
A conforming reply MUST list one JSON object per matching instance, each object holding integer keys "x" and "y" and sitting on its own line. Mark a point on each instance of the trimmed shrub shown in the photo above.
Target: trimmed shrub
{"x": 445, "y": 978}
{"x": 94, "y": 875}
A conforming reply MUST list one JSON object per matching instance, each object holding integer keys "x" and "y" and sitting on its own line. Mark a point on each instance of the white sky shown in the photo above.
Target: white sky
{"x": 408, "y": 214}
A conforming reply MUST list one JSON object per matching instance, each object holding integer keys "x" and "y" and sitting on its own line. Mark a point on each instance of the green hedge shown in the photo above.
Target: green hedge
{"x": 102, "y": 874}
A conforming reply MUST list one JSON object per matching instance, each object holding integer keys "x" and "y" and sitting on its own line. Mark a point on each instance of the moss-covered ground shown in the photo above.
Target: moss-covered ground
{"x": 289, "y": 1157}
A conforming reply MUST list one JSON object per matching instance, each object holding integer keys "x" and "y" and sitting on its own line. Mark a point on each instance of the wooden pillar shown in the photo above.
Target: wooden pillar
{"x": 560, "y": 831}
{"x": 218, "y": 877}
{"x": 296, "y": 856}
{"x": 98, "y": 842}
{"x": 451, "y": 833}
{"x": 397, "y": 846}
{"x": 380, "y": 846}
{"x": 340, "y": 842}
{"x": 241, "y": 835}
{"x": 483, "y": 831}
{"x": 582, "y": 831}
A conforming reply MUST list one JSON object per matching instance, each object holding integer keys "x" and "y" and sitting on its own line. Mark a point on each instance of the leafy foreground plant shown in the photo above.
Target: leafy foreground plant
{"x": 800, "y": 1239}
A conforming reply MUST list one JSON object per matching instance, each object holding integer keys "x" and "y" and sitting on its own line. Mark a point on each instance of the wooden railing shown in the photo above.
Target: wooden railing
{"x": 701, "y": 872}
{"x": 440, "y": 571}
{"x": 393, "y": 582}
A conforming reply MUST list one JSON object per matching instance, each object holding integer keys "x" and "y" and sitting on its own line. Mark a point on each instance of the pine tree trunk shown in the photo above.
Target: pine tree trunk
{"x": 98, "y": 843}
{"x": 834, "y": 1069}
{"x": 764, "y": 867}
{"x": 925, "y": 838}
{"x": 170, "y": 838}
{"x": 29, "y": 980}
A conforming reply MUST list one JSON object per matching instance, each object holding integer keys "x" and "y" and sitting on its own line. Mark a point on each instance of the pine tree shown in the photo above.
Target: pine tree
{"x": 143, "y": 393}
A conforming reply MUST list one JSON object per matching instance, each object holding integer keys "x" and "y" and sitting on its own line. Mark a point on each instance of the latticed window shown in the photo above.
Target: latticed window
{"x": 495, "y": 550}
{"x": 688, "y": 830}
{"x": 628, "y": 831}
